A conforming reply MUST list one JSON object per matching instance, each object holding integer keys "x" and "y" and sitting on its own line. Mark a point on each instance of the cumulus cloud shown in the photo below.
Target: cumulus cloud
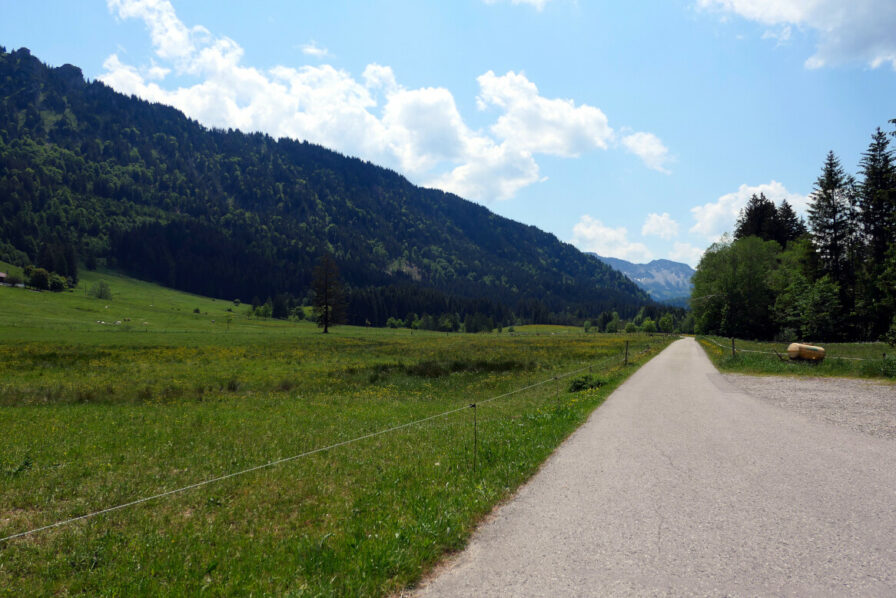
{"x": 715, "y": 218}
{"x": 533, "y": 123}
{"x": 660, "y": 225}
{"x": 419, "y": 132}
{"x": 687, "y": 253}
{"x": 649, "y": 148}
{"x": 855, "y": 31}
{"x": 590, "y": 234}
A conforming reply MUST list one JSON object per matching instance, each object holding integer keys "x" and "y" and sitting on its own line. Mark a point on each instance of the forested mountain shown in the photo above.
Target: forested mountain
{"x": 664, "y": 280}
{"x": 93, "y": 176}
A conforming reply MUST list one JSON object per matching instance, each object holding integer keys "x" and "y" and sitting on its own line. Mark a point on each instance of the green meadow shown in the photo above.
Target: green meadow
{"x": 851, "y": 360}
{"x": 107, "y": 401}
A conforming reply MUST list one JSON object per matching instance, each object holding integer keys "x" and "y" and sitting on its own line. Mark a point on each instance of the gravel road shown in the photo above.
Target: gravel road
{"x": 860, "y": 405}
{"x": 682, "y": 484}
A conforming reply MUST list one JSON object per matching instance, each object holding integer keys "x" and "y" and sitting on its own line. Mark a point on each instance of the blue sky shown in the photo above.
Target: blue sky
{"x": 636, "y": 130}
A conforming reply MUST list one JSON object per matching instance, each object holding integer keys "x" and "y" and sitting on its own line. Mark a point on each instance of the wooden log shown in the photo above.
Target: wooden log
{"x": 808, "y": 352}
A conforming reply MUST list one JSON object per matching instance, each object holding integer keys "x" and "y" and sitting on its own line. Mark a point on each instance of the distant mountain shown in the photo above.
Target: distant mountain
{"x": 664, "y": 280}
{"x": 94, "y": 176}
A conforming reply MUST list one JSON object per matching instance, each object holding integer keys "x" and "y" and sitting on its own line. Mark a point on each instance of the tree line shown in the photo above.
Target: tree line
{"x": 832, "y": 278}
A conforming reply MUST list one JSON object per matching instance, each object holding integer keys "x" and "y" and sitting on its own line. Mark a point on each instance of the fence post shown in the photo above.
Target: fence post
{"x": 733, "y": 350}
{"x": 625, "y": 362}
{"x": 475, "y": 438}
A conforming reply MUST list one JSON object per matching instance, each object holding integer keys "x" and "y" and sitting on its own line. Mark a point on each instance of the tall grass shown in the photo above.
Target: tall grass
{"x": 94, "y": 415}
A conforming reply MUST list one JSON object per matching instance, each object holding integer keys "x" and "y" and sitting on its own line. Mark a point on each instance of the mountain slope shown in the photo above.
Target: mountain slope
{"x": 228, "y": 214}
{"x": 664, "y": 280}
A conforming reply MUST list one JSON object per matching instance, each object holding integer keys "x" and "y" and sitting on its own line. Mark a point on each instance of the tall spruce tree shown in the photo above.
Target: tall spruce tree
{"x": 877, "y": 203}
{"x": 790, "y": 226}
{"x": 759, "y": 218}
{"x": 832, "y": 219}
{"x": 877, "y": 196}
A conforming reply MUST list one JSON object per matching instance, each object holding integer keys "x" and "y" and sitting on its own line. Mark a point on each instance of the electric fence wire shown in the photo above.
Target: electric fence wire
{"x": 294, "y": 457}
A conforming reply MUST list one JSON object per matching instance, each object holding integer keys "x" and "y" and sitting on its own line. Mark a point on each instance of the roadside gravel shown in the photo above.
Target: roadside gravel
{"x": 859, "y": 405}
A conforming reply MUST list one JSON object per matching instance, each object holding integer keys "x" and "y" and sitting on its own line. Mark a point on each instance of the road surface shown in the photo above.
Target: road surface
{"x": 681, "y": 485}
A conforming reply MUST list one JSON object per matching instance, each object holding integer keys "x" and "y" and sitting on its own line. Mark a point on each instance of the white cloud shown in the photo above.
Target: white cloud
{"x": 714, "y": 218}
{"x": 419, "y": 132}
{"x": 377, "y": 76}
{"x": 590, "y": 234}
{"x": 858, "y": 30}
{"x": 660, "y": 225}
{"x": 538, "y": 4}
{"x": 534, "y": 123}
{"x": 687, "y": 253}
{"x": 170, "y": 37}
{"x": 312, "y": 49}
{"x": 649, "y": 148}
{"x": 498, "y": 173}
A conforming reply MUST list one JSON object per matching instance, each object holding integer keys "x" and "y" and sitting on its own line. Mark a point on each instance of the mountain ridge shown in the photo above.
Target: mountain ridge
{"x": 140, "y": 186}
{"x": 665, "y": 280}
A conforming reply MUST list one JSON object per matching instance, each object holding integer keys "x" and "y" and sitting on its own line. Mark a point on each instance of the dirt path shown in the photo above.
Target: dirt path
{"x": 682, "y": 484}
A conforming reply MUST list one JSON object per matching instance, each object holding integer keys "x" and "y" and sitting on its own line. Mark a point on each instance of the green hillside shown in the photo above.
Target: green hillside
{"x": 92, "y": 176}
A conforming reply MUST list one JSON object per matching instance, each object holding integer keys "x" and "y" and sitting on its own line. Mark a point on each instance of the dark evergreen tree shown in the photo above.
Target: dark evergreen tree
{"x": 790, "y": 226}
{"x": 329, "y": 308}
{"x": 759, "y": 218}
{"x": 832, "y": 219}
{"x": 877, "y": 196}
{"x": 877, "y": 203}
{"x": 280, "y": 307}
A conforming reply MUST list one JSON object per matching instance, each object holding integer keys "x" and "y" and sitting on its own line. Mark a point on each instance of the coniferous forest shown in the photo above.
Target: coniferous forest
{"x": 832, "y": 278}
{"x": 93, "y": 178}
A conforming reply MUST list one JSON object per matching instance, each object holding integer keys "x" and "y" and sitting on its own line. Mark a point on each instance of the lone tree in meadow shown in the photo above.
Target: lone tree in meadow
{"x": 329, "y": 308}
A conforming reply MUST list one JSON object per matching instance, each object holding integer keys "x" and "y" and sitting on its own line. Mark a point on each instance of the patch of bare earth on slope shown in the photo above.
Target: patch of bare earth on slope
{"x": 863, "y": 406}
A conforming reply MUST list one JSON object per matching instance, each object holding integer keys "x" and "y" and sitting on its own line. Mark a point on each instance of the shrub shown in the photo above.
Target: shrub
{"x": 39, "y": 279}
{"x": 585, "y": 382}
{"x": 101, "y": 290}
{"x": 57, "y": 283}
{"x": 631, "y": 327}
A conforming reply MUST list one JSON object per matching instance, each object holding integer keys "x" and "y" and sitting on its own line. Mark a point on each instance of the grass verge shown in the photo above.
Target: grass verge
{"x": 850, "y": 360}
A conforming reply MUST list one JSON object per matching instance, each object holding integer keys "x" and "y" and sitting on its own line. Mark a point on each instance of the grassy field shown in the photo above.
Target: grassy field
{"x": 106, "y": 401}
{"x": 853, "y": 360}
